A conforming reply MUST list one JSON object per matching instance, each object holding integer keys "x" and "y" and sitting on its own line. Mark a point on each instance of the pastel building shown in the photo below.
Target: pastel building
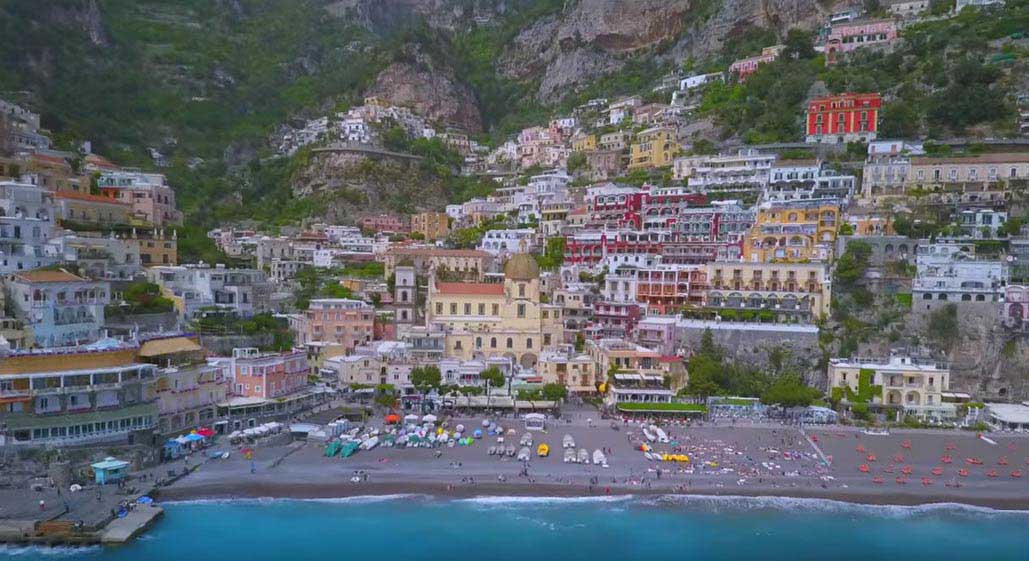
{"x": 89, "y": 394}
{"x": 799, "y": 292}
{"x": 793, "y": 231}
{"x": 342, "y": 321}
{"x": 853, "y": 35}
{"x": 267, "y": 375}
{"x": 574, "y": 370}
{"x": 149, "y": 194}
{"x": 747, "y": 66}
{"x": 27, "y": 218}
{"x": 902, "y": 383}
{"x": 497, "y": 319}
{"x": 60, "y": 308}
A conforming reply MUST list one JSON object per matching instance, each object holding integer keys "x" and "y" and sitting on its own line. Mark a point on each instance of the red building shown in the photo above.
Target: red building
{"x": 618, "y": 247}
{"x": 385, "y": 223}
{"x": 849, "y": 117}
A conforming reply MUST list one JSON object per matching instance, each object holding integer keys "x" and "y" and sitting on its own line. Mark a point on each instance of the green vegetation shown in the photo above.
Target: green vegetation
{"x": 866, "y": 390}
{"x": 662, "y": 407}
{"x": 425, "y": 378}
{"x": 219, "y": 323}
{"x": 318, "y": 283}
{"x": 141, "y": 298}
{"x": 553, "y": 256}
{"x": 549, "y": 392}
{"x": 493, "y": 376}
{"x": 944, "y": 327}
{"x": 789, "y": 390}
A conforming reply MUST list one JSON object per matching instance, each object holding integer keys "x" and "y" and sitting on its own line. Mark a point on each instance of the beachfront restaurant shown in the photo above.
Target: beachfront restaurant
{"x": 110, "y": 471}
{"x": 1008, "y": 416}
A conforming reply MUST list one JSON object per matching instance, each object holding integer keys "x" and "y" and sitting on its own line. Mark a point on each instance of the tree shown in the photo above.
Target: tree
{"x": 425, "y": 378}
{"x": 853, "y": 263}
{"x": 944, "y": 327}
{"x": 702, "y": 384}
{"x": 492, "y": 376}
{"x": 576, "y": 161}
{"x": 900, "y": 119}
{"x": 554, "y": 392}
{"x": 789, "y": 390}
{"x": 799, "y": 44}
{"x": 385, "y": 395}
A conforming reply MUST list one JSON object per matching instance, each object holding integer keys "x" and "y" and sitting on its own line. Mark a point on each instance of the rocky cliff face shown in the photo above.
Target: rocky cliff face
{"x": 430, "y": 90}
{"x": 596, "y": 37}
{"x": 353, "y": 184}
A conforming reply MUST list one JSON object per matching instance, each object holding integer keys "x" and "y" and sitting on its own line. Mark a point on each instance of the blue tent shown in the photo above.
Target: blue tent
{"x": 172, "y": 449}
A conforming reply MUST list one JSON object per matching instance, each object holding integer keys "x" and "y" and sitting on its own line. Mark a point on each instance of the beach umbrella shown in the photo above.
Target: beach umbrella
{"x": 485, "y": 422}
{"x": 205, "y": 432}
{"x": 145, "y": 500}
{"x": 392, "y": 419}
{"x": 429, "y": 418}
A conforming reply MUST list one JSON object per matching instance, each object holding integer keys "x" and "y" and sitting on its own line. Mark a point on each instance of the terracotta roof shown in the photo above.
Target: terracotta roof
{"x": 51, "y": 159}
{"x": 88, "y": 197}
{"x": 470, "y": 288}
{"x": 167, "y": 346}
{"x": 40, "y": 275}
{"x": 997, "y": 158}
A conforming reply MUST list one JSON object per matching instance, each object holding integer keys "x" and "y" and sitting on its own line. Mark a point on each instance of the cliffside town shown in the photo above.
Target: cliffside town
{"x": 651, "y": 250}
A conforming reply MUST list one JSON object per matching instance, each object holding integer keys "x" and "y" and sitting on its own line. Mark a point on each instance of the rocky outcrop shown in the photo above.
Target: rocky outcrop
{"x": 596, "y": 37}
{"x": 385, "y": 16}
{"x": 430, "y": 90}
{"x": 353, "y": 182}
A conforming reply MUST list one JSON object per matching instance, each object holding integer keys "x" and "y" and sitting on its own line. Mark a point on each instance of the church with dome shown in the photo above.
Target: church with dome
{"x": 488, "y": 319}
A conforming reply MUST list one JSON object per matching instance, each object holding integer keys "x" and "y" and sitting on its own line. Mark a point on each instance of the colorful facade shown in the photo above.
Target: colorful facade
{"x": 849, "y": 117}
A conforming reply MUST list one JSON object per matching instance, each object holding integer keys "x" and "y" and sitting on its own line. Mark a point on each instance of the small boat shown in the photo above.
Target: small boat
{"x": 349, "y": 448}
{"x": 370, "y": 443}
{"x": 583, "y": 456}
{"x": 599, "y": 458}
{"x": 568, "y": 441}
{"x": 492, "y": 451}
{"x": 543, "y": 450}
{"x": 963, "y": 472}
{"x": 662, "y": 436}
{"x": 649, "y": 435}
{"x": 569, "y": 456}
{"x": 526, "y": 440}
{"x": 524, "y": 454}
{"x": 510, "y": 450}
{"x": 973, "y": 461}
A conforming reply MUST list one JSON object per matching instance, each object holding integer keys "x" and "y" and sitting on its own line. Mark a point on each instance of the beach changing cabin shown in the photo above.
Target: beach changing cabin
{"x": 110, "y": 471}
{"x": 535, "y": 421}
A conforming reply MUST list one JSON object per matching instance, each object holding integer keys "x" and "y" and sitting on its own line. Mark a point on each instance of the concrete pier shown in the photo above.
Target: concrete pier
{"x": 121, "y": 530}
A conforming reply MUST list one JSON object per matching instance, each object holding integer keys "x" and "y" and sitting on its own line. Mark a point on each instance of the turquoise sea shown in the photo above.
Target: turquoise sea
{"x": 411, "y": 528}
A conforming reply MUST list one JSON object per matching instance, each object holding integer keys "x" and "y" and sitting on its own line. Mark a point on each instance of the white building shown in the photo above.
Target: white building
{"x": 508, "y": 242}
{"x": 26, "y": 224}
{"x": 62, "y": 309}
{"x": 948, "y": 272}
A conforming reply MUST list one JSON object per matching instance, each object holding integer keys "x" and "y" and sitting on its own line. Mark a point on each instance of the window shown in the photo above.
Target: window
{"x": 453, "y": 309}
{"x": 467, "y": 309}
{"x": 528, "y": 343}
{"x": 482, "y": 309}
{"x": 521, "y": 310}
{"x": 493, "y": 342}
{"x": 521, "y": 291}
{"x": 439, "y": 307}
{"x": 510, "y": 343}
{"x": 478, "y": 342}
{"x": 496, "y": 309}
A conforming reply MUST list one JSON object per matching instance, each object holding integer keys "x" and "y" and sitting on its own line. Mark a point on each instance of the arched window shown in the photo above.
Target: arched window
{"x": 510, "y": 343}
{"x": 493, "y": 342}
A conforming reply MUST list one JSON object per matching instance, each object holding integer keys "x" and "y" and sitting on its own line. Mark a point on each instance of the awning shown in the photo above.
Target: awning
{"x": 171, "y": 345}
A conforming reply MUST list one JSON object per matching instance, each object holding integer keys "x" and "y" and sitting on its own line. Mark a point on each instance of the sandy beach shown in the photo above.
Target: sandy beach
{"x": 904, "y": 468}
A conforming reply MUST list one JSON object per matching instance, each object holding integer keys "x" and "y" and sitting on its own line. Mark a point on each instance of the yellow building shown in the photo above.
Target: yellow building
{"x": 793, "y": 232}
{"x": 584, "y": 142}
{"x": 654, "y": 148}
{"x": 563, "y": 365}
{"x": 898, "y": 382}
{"x": 798, "y": 292}
{"x": 431, "y": 225}
{"x": 497, "y": 319}
{"x": 155, "y": 247}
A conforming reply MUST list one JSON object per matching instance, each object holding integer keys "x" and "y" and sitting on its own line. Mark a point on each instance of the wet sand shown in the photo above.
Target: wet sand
{"x": 766, "y": 461}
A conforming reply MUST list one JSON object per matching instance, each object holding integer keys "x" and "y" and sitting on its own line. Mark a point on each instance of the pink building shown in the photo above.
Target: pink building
{"x": 152, "y": 199}
{"x": 747, "y": 66}
{"x": 385, "y": 223}
{"x": 847, "y": 37}
{"x": 268, "y": 375}
{"x": 342, "y": 321}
